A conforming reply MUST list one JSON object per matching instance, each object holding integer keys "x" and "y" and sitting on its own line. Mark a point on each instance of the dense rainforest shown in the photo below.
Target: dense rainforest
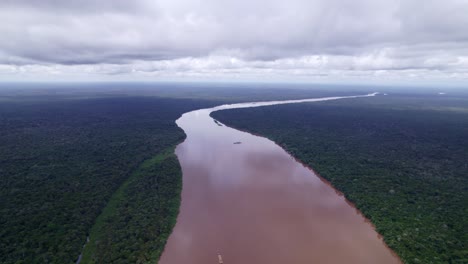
{"x": 92, "y": 161}
{"x": 61, "y": 161}
{"x": 401, "y": 159}
{"x": 95, "y": 161}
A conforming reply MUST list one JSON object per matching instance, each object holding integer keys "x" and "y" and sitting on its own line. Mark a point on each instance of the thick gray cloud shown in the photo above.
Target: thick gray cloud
{"x": 406, "y": 38}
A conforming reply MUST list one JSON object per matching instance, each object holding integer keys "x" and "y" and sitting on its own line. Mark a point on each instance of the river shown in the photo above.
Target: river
{"x": 245, "y": 200}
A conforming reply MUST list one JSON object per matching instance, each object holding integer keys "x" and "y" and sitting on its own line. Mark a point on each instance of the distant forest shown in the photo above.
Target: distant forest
{"x": 402, "y": 160}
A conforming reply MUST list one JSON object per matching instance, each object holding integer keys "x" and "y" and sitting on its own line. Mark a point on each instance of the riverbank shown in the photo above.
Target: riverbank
{"x": 404, "y": 170}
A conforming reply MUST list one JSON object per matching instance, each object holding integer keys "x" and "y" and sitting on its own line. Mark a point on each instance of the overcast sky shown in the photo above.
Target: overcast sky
{"x": 309, "y": 40}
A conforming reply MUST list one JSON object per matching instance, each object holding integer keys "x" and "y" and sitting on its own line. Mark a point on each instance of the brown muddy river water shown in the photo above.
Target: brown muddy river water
{"x": 244, "y": 198}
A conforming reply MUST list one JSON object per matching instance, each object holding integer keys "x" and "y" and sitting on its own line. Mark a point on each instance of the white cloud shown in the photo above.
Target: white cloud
{"x": 146, "y": 38}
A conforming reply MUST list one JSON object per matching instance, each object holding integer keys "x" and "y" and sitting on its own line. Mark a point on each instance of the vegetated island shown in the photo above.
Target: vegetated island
{"x": 401, "y": 159}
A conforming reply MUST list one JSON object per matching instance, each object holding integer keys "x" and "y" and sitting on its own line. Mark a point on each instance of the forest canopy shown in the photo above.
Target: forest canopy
{"x": 401, "y": 159}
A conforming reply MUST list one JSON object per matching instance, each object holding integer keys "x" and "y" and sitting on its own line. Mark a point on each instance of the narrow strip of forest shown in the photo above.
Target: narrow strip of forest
{"x": 139, "y": 217}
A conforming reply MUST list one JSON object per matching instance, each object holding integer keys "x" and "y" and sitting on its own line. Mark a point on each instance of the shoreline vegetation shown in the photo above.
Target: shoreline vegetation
{"x": 117, "y": 234}
{"x": 401, "y": 164}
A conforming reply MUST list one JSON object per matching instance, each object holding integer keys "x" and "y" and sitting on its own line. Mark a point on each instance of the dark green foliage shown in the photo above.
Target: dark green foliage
{"x": 137, "y": 222}
{"x": 61, "y": 161}
{"x": 401, "y": 160}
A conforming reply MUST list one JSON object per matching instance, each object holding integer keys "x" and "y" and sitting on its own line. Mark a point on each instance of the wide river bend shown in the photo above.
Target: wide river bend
{"x": 245, "y": 200}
